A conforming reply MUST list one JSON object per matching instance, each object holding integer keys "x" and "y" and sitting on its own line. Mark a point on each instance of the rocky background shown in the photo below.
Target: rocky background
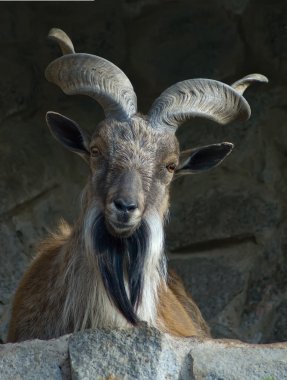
{"x": 227, "y": 235}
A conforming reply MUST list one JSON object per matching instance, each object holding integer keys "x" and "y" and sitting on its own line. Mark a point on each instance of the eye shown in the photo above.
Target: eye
{"x": 171, "y": 167}
{"x": 95, "y": 152}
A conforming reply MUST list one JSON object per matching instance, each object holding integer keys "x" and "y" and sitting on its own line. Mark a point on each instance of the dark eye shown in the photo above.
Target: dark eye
{"x": 95, "y": 152}
{"x": 171, "y": 167}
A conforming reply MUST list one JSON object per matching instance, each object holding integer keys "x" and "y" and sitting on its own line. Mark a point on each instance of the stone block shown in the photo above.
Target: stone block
{"x": 126, "y": 354}
{"x": 233, "y": 360}
{"x": 35, "y": 360}
{"x": 141, "y": 353}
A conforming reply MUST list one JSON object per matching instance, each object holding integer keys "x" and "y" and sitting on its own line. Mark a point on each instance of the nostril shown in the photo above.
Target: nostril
{"x": 125, "y": 206}
{"x": 131, "y": 207}
{"x": 119, "y": 204}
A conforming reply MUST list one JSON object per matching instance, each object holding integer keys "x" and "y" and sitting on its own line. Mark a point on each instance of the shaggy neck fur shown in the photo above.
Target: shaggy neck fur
{"x": 120, "y": 277}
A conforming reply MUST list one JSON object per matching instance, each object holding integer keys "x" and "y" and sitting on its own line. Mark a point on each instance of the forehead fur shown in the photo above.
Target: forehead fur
{"x": 134, "y": 141}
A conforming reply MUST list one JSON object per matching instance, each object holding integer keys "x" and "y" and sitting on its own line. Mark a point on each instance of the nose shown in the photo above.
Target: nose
{"x": 125, "y": 205}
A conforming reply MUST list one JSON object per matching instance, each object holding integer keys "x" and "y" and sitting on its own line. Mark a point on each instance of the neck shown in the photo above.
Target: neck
{"x": 120, "y": 277}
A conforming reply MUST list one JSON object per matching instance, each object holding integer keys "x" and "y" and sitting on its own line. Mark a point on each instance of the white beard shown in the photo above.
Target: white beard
{"x": 88, "y": 304}
{"x": 154, "y": 271}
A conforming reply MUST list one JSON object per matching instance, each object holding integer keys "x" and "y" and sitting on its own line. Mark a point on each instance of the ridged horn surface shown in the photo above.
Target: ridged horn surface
{"x": 205, "y": 98}
{"x": 242, "y": 84}
{"x": 62, "y": 39}
{"x": 86, "y": 74}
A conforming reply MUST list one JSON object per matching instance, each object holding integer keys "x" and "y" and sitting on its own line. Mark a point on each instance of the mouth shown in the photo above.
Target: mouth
{"x": 121, "y": 229}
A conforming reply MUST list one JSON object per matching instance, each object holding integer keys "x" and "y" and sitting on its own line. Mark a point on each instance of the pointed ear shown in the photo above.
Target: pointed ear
{"x": 69, "y": 134}
{"x": 204, "y": 158}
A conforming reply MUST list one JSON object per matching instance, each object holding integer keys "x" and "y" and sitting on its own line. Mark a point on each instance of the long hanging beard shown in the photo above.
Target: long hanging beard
{"x": 121, "y": 263}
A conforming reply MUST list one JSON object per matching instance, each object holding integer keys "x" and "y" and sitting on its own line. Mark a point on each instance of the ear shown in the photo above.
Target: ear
{"x": 69, "y": 134}
{"x": 204, "y": 158}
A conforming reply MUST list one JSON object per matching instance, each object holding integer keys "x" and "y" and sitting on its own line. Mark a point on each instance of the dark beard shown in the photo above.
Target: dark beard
{"x": 119, "y": 258}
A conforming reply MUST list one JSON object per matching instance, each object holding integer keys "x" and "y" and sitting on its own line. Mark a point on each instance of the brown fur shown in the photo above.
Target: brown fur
{"x": 31, "y": 306}
{"x": 36, "y": 316}
{"x": 178, "y": 312}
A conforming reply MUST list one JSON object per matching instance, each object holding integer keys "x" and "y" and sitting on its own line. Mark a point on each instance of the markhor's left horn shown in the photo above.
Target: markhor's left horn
{"x": 205, "y": 98}
{"x": 242, "y": 84}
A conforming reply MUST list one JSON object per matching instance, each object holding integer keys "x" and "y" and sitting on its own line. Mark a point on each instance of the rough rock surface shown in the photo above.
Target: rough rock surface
{"x": 133, "y": 354}
{"x": 233, "y": 360}
{"x": 35, "y": 360}
{"x": 142, "y": 354}
{"x": 168, "y": 52}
